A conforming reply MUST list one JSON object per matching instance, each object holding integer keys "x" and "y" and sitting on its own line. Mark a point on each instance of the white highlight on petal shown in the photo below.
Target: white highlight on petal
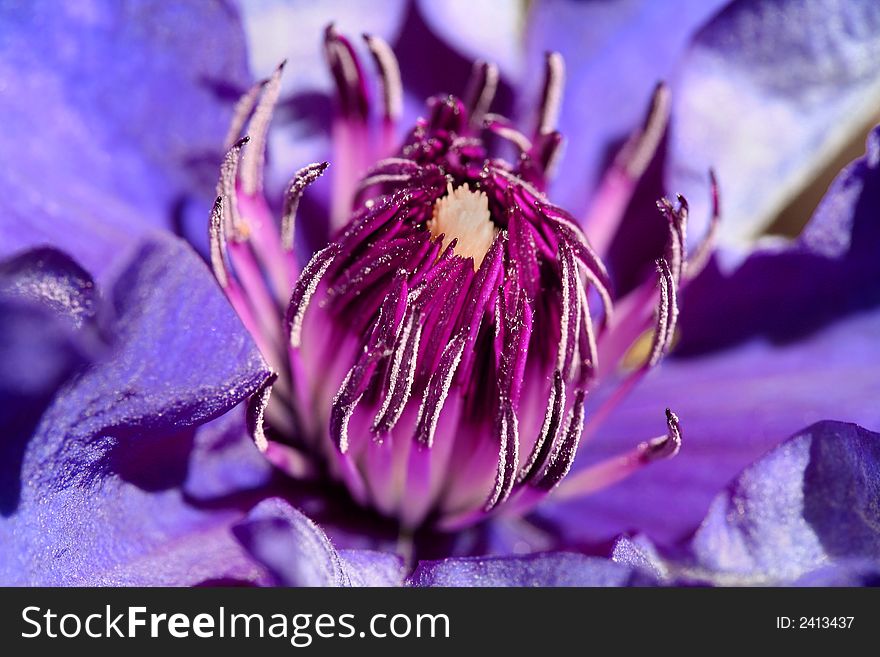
{"x": 464, "y": 215}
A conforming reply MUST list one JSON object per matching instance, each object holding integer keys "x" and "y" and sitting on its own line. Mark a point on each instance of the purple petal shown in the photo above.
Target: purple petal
{"x": 99, "y": 501}
{"x": 480, "y": 29}
{"x": 298, "y": 553}
{"x": 858, "y": 572}
{"x": 810, "y": 502}
{"x": 372, "y": 568}
{"x": 542, "y": 569}
{"x": 113, "y": 117}
{"x": 768, "y": 94}
{"x": 615, "y": 54}
{"x": 53, "y": 280}
{"x": 831, "y": 270}
{"x": 734, "y": 406}
{"x": 225, "y": 460}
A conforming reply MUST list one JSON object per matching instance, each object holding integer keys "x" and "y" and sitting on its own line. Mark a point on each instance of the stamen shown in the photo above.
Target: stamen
{"x": 700, "y": 257}
{"x": 464, "y": 215}
{"x": 568, "y": 321}
{"x": 256, "y": 410}
{"x": 481, "y": 91}
{"x": 242, "y": 112}
{"x": 566, "y": 449}
{"x": 304, "y": 289}
{"x": 508, "y": 457}
{"x": 638, "y": 151}
{"x": 620, "y": 467}
{"x": 438, "y": 390}
{"x": 226, "y": 188}
{"x": 504, "y": 128}
{"x": 346, "y": 70}
{"x": 549, "y": 429}
{"x": 551, "y": 94}
{"x": 302, "y": 179}
{"x": 618, "y": 184}
{"x": 663, "y": 447}
{"x": 389, "y": 73}
{"x": 258, "y": 128}
{"x": 667, "y": 314}
{"x": 218, "y": 244}
{"x": 400, "y": 378}
{"x": 677, "y": 247}
{"x": 342, "y": 409}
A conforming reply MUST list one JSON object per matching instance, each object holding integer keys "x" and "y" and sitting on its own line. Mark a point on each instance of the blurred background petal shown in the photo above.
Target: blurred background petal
{"x": 771, "y": 93}
{"x": 113, "y": 117}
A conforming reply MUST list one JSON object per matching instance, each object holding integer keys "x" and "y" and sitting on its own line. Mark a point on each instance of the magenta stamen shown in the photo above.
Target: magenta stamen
{"x": 218, "y": 246}
{"x": 565, "y": 449}
{"x": 226, "y": 188}
{"x": 481, "y": 91}
{"x": 508, "y": 457}
{"x": 551, "y": 93}
{"x": 304, "y": 290}
{"x": 242, "y": 112}
{"x": 549, "y": 429}
{"x": 345, "y": 66}
{"x": 292, "y": 195}
{"x": 438, "y": 390}
{"x": 504, "y": 128}
{"x": 615, "y": 469}
{"x": 254, "y": 159}
{"x": 700, "y": 257}
{"x": 256, "y": 409}
{"x": 399, "y": 380}
{"x": 389, "y": 75}
{"x": 617, "y": 186}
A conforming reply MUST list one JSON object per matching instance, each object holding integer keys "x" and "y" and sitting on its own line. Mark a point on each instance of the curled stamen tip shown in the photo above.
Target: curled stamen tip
{"x": 663, "y": 447}
{"x": 716, "y": 196}
{"x": 241, "y": 142}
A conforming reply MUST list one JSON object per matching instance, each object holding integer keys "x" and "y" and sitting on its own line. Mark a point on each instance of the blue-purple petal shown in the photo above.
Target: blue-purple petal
{"x": 99, "y": 499}
{"x": 114, "y": 115}
{"x": 490, "y": 30}
{"x": 224, "y": 460}
{"x": 810, "y": 503}
{"x": 830, "y": 271}
{"x": 297, "y": 552}
{"x": 541, "y": 569}
{"x": 769, "y": 94}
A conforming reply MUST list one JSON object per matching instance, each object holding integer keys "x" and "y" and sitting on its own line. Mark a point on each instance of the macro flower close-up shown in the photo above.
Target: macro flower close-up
{"x": 421, "y": 293}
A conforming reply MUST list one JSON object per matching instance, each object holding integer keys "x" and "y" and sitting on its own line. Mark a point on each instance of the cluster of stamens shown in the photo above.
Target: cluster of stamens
{"x": 436, "y": 357}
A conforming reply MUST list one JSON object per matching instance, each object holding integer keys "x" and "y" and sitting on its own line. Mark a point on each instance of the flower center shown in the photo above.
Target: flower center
{"x": 464, "y": 215}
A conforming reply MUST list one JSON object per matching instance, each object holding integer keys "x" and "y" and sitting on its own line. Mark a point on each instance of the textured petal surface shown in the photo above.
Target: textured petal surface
{"x": 44, "y": 300}
{"x": 99, "y": 501}
{"x": 768, "y": 94}
{"x": 114, "y": 114}
{"x": 298, "y": 553}
{"x": 544, "y": 569}
{"x": 224, "y": 460}
{"x": 812, "y": 501}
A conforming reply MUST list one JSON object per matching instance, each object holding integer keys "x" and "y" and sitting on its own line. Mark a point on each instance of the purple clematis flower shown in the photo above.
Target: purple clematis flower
{"x": 443, "y": 377}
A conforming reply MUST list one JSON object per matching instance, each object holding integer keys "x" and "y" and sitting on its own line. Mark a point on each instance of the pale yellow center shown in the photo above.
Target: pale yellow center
{"x": 464, "y": 215}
